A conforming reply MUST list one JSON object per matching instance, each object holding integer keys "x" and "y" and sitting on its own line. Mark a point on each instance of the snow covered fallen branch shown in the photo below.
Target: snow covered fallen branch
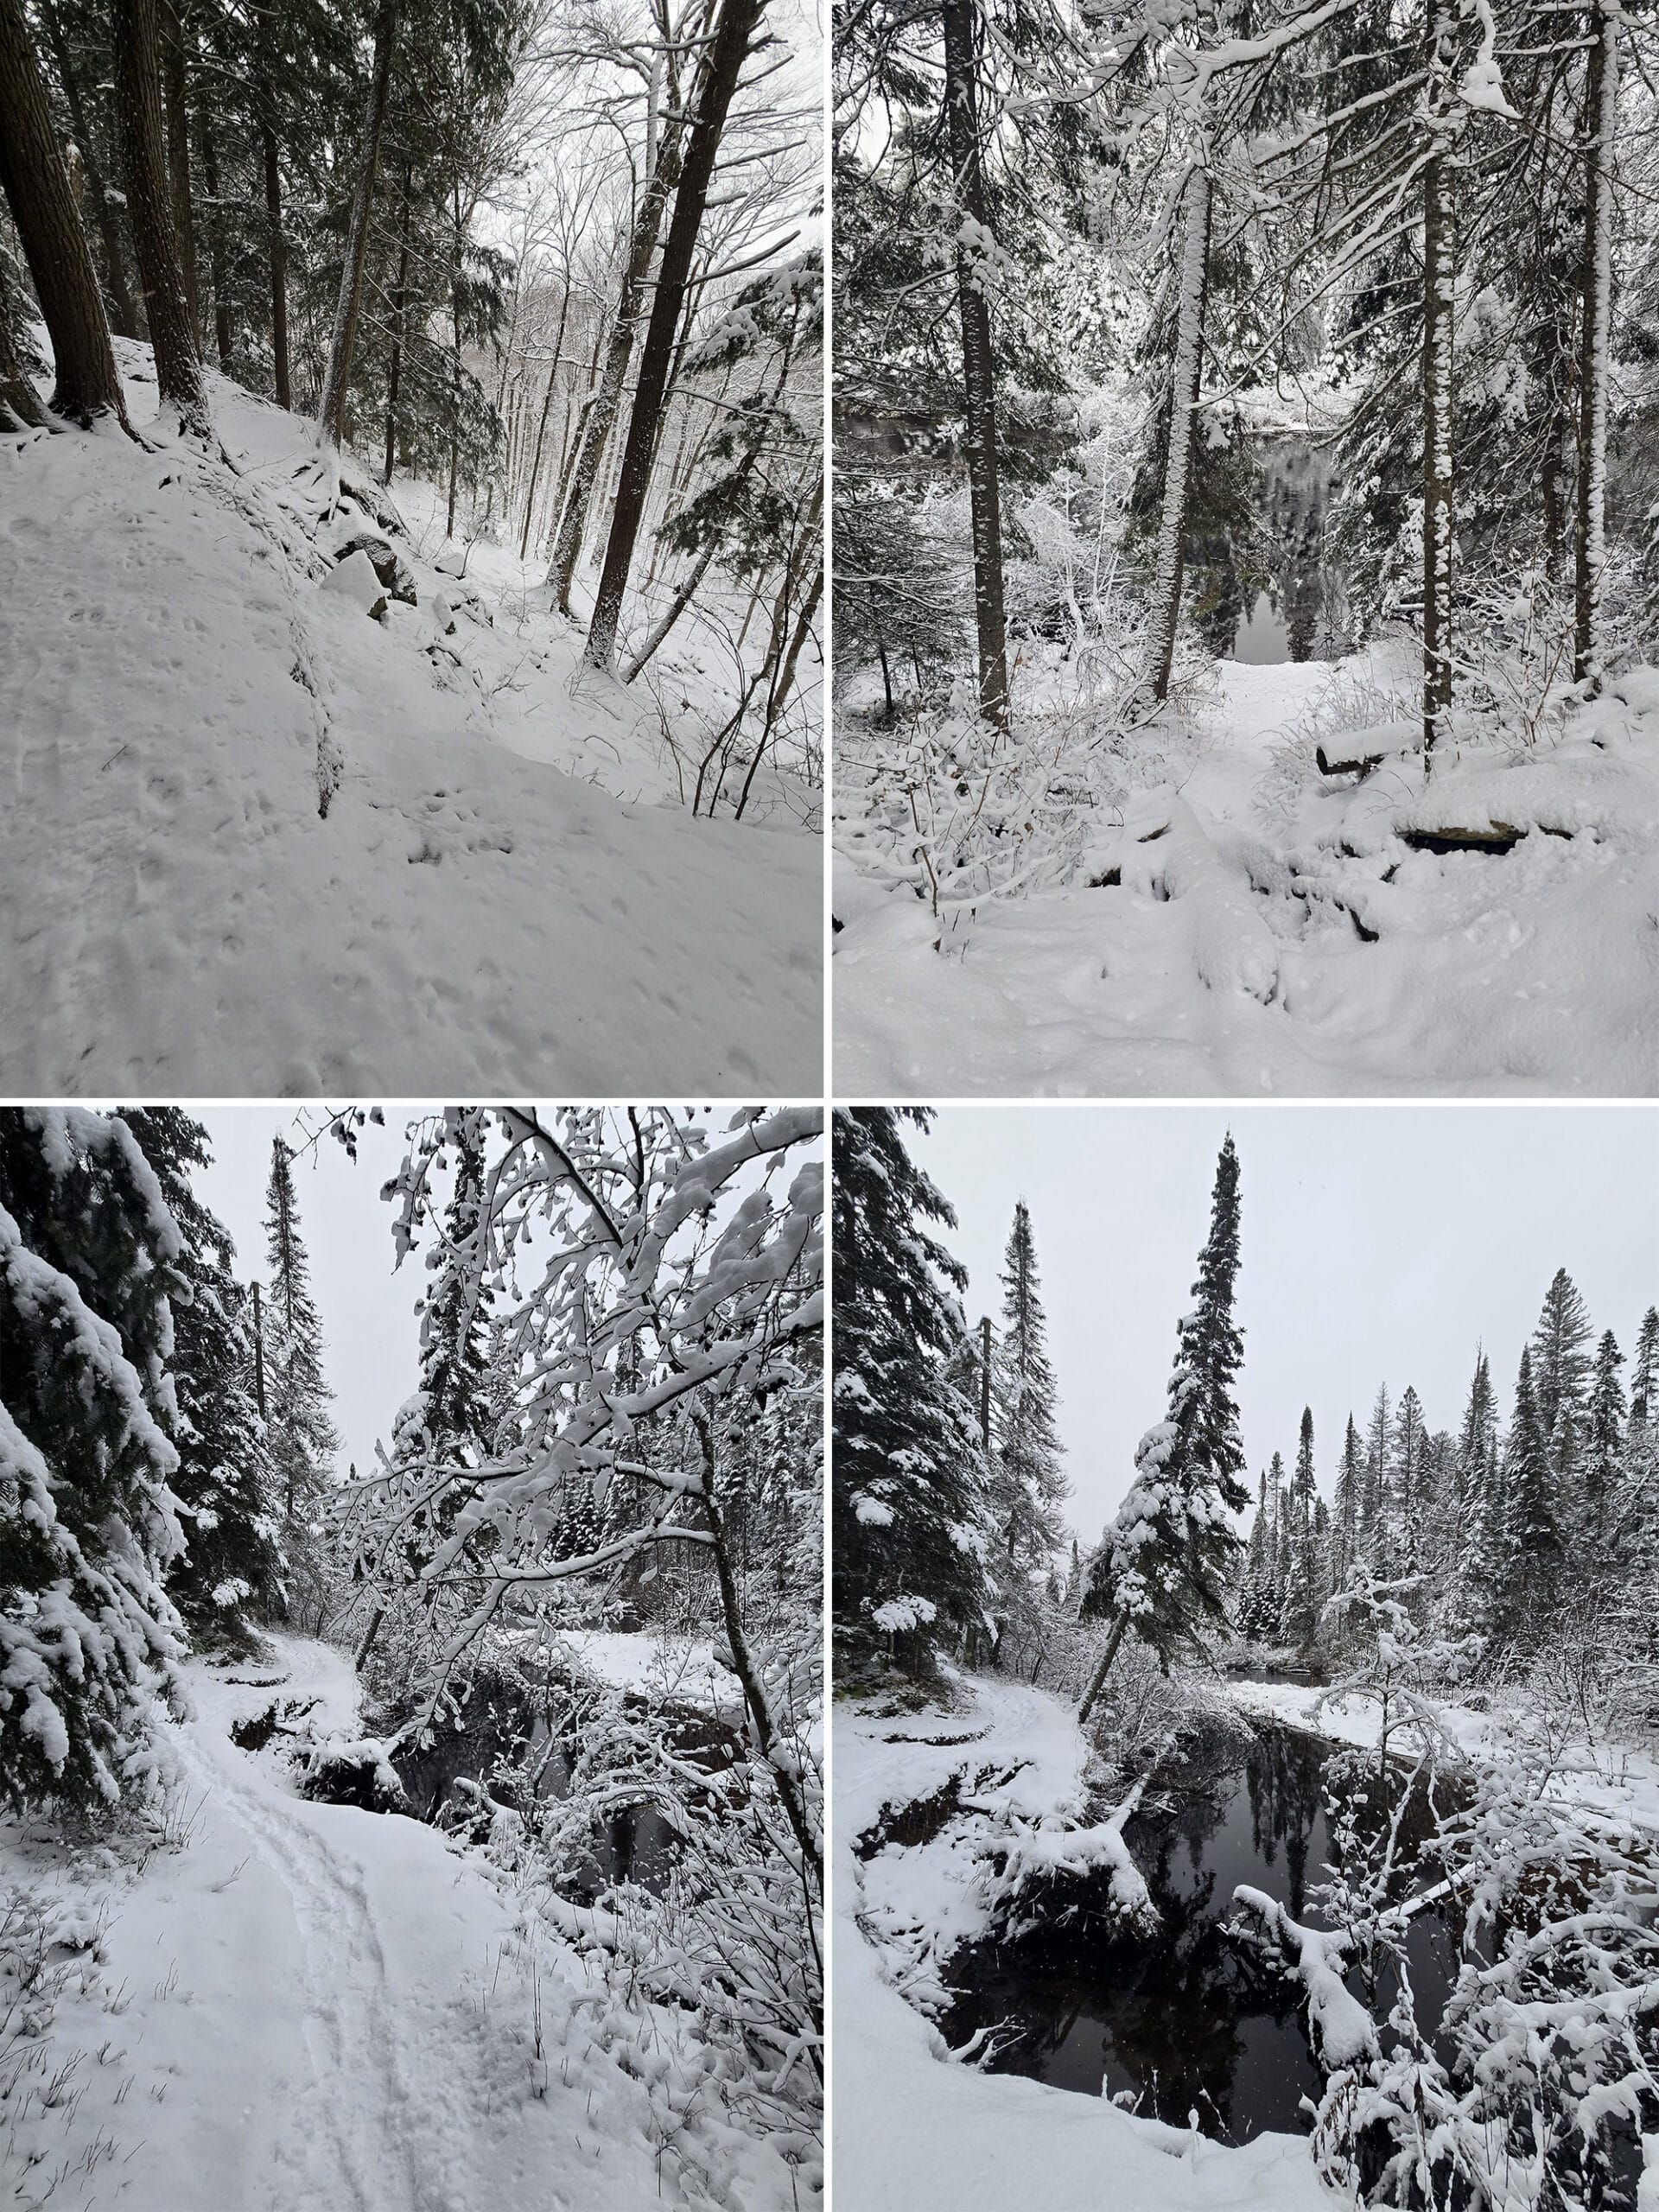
{"x": 1343, "y": 2032}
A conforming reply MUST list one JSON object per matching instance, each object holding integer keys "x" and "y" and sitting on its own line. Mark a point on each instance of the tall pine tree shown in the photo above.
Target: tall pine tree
{"x": 1027, "y": 1482}
{"x": 1163, "y": 1564}
{"x": 302, "y": 1438}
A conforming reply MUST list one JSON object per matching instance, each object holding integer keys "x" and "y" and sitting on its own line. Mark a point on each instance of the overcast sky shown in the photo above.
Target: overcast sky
{"x": 371, "y": 1338}
{"x": 1380, "y": 1244}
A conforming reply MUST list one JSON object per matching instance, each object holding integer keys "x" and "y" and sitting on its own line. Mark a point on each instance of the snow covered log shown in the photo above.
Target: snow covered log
{"x": 351, "y": 1773}
{"x": 1343, "y": 2032}
{"x": 355, "y": 579}
{"x": 1367, "y": 749}
{"x": 1033, "y": 1860}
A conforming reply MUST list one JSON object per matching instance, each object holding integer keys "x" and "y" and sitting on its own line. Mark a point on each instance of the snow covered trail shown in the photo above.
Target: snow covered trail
{"x": 175, "y": 920}
{"x": 915, "y": 2131}
{"x": 1395, "y": 970}
{"x": 310, "y": 2008}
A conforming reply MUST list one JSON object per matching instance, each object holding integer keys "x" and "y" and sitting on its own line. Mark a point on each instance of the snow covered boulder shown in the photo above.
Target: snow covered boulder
{"x": 341, "y": 1773}
{"x": 355, "y": 578}
{"x": 393, "y": 574}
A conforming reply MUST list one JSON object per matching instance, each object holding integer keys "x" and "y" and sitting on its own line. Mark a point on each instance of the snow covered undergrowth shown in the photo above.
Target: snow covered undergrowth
{"x": 916, "y": 2130}
{"x": 1619, "y": 1780}
{"x": 493, "y": 900}
{"x": 1244, "y": 925}
{"x": 311, "y": 2007}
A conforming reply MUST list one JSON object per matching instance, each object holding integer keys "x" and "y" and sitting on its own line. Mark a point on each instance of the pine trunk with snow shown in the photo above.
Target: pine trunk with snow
{"x": 1186, "y": 374}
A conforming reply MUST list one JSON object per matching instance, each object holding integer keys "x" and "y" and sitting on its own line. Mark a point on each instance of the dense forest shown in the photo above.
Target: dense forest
{"x": 458, "y": 371}
{"x": 1244, "y": 439}
{"x": 568, "y": 1628}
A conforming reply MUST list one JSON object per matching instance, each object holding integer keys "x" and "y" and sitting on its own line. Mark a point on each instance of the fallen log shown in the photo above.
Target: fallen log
{"x": 1496, "y": 837}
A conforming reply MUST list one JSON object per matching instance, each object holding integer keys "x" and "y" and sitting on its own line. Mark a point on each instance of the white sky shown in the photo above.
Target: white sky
{"x": 1380, "y": 1243}
{"x": 371, "y": 1336}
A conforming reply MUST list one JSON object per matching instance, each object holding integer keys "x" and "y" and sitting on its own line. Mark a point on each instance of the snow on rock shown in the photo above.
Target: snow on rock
{"x": 916, "y": 2131}
{"x": 505, "y": 892}
{"x": 354, "y": 577}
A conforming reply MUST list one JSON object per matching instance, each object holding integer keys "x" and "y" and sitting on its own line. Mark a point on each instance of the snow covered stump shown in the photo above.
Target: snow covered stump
{"x": 1053, "y": 1870}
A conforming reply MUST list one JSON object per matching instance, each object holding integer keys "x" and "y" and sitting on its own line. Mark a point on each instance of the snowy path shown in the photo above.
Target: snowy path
{"x": 918, "y": 2133}
{"x": 309, "y": 2008}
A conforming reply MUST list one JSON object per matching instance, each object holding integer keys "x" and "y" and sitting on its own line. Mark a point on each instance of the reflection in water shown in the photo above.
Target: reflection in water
{"x": 1188, "y": 2020}
{"x": 1267, "y": 595}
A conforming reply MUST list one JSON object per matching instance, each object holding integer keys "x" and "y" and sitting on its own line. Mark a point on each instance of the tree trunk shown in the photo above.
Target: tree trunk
{"x": 455, "y": 371}
{"x": 48, "y": 223}
{"x": 20, "y": 404}
{"x": 1439, "y": 273}
{"x": 1187, "y": 375}
{"x": 216, "y": 241}
{"x": 278, "y": 250}
{"x": 985, "y": 1382}
{"x": 398, "y": 301}
{"x": 716, "y": 82}
{"x": 1097, "y": 1679}
{"x": 125, "y": 317}
{"x": 1590, "y": 545}
{"x": 783, "y": 682}
{"x": 259, "y": 1357}
{"x": 178, "y": 158}
{"x": 978, "y": 367}
{"x": 138, "y": 101}
{"x": 541, "y": 426}
{"x": 600, "y": 413}
{"x": 331, "y": 413}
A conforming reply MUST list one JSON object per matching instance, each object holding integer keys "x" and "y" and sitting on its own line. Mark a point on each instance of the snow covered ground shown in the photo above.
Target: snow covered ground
{"x": 916, "y": 2130}
{"x": 505, "y": 892}
{"x": 1297, "y": 944}
{"x": 307, "y": 2007}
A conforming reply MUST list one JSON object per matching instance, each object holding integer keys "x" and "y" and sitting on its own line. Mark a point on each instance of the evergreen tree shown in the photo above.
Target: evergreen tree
{"x": 89, "y": 1262}
{"x": 1351, "y": 1483}
{"x": 232, "y": 1570}
{"x": 1644, "y": 1372}
{"x": 907, "y": 1470}
{"x": 1163, "y": 1565}
{"x": 1605, "y": 1442}
{"x": 1535, "y": 1534}
{"x": 1375, "y": 1538}
{"x": 303, "y": 1437}
{"x": 1561, "y": 1363}
{"x": 1027, "y": 1483}
{"x": 1406, "y": 1481}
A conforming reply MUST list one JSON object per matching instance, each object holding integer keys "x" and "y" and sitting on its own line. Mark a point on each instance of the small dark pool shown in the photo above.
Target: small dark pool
{"x": 1188, "y": 2020}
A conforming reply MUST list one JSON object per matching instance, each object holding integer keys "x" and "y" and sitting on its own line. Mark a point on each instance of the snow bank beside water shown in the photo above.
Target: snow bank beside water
{"x": 916, "y": 2130}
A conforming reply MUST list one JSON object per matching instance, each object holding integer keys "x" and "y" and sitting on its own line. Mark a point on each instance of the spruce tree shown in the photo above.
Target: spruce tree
{"x": 907, "y": 1470}
{"x": 1644, "y": 1372}
{"x": 1406, "y": 1483}
{"x": 1605, "y": 1444}
{"x": 1027, "y": 1482}
{"x": 1350, "y": 1483}
{"x": 303, "y": 1437}
{"x": 1534, "y": 1529}
{"x": 89, "y": 1263}
{"x": 1562, "y": 1365}
{"x": 232, "y": 1570}
{"x": 1163, "y": 1565}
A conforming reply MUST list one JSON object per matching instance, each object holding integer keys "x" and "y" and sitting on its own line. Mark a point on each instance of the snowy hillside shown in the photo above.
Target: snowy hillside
{"x": 505, "y": 889}
{"x": 313, "y": 2007}
{"x": 1238, "y": 922}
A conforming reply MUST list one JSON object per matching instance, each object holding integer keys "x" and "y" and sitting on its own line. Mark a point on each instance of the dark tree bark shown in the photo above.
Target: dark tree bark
{"x": 278, "y": 251}
{"x": 178, "y": 158}
{"x": 457, "y": 242}
{"x": 601, "y": 415}
{"x": 48, "y": 223}
{"x": 20, "y": 404}
{"x": 124, "y": 316}
{"x": 978, "y": 367}
{"x": 1097, "y": 1679}
{"x": 138, "y": 102}
{"x": 541, "y": 426}
{"x": 1186, "y": 377}
{"x": 716, "y": 82}
{"x": 399, "y": 308}
{"x": 331, "y": 415}
{"x": 1440, "y": 275}
{"x": 216, "y": 241}
{"x": 1595, "y": 326}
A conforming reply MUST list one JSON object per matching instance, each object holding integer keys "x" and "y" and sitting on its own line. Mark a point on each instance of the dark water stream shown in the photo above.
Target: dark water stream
{"x": 1188, "y": 2019}
{"x": 1264, "y": 590}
